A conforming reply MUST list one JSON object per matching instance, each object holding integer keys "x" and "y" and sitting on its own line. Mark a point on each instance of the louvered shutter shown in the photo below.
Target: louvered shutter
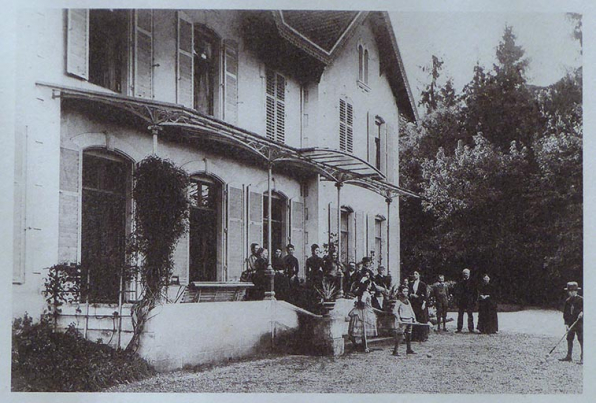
{"x": 68, "y": 228}
{"x": 255, "y": 218}
{"x": 360, "y": 233}
{"x": 231, "y": 81}
{"x": 184, "y": 79}
{"x": 346, "y": 122}
{"x": 235, "y": 233}
{"x": 143, "y": 56}
{"x": 77, "y": 43}
{"x": 275, "y": 99}
{"x": 342, "y": 125}
{"x": 392, "y": 154}
{"x": 297, "y": 233}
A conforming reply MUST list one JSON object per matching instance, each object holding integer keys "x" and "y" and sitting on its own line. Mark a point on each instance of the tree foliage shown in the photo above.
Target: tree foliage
{"x": 500, "y": 172}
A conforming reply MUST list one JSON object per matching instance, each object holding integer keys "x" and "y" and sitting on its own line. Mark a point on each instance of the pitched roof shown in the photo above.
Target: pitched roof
{"x": 323, "y": 28}
{"x": 321, "y": 34}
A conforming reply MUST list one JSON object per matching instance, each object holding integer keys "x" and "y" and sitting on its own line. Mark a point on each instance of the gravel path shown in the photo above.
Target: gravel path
{"x": 510, "y": 362}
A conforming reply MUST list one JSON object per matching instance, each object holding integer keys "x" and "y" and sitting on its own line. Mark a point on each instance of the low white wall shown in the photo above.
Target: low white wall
{"x": 190, "y": 334}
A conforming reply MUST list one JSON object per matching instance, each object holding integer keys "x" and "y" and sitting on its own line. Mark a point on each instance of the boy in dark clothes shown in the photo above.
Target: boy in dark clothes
{"x": 440, "y": 292}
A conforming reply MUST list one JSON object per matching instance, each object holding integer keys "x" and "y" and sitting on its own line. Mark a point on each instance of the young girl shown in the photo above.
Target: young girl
{"x": 363, "y": 321}
{"x": 404, "y": 320}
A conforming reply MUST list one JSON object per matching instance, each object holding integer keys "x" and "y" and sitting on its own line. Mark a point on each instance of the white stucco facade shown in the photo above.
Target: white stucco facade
{"x": 52, "y": 137}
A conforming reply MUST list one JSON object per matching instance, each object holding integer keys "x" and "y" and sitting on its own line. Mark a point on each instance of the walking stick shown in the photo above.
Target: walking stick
{"x": 565, "y": 335}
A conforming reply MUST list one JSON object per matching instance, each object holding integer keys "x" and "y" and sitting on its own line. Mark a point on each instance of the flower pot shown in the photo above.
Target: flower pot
{"x": 328, "y": 306}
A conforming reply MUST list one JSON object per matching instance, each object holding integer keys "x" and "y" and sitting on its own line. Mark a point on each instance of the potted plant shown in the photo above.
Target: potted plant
{"x": 392, "y": 297}
{"x": 327, "y": 292}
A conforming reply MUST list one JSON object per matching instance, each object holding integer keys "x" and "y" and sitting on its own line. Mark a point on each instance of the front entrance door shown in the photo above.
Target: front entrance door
{"x": 204, "y": 219}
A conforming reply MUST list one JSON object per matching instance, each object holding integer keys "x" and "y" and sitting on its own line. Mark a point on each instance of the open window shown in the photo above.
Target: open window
{"x": 112, "y": 49}
{"x": 205, "y": 228}
{"x": 206, "y": 70}
{"x": 278, "y": 220}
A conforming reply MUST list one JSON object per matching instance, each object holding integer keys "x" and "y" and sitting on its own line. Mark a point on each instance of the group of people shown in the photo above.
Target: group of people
{"x": 285, "y": 270}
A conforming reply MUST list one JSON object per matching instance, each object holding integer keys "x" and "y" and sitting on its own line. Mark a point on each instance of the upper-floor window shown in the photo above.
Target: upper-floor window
{"x": 378, "y": 133}
{"x": 346, "y": 125}
{"x": 363, "y": 64}
{"x": 206, "y": 70}
{"x": 103, "y": 49}
{"x": 275, "y": 105}
{"x": 108, "y": 42}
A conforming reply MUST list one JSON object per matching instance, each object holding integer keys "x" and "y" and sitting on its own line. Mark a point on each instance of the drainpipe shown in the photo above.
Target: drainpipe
{"x": 338, "y": 185}
{"x": 269, "y": 273}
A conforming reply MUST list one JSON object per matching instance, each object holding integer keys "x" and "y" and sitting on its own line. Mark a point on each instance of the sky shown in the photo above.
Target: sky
{"x": 461, "y": 39}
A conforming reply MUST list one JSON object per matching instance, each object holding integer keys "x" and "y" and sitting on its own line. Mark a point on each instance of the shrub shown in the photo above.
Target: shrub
{"x": 46, "y": 360}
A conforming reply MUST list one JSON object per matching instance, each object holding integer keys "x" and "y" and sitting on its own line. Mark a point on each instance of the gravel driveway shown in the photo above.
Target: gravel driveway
{"x": 512, "y": 361}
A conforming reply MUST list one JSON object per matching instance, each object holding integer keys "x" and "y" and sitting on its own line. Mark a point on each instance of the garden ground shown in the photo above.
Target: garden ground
{"x": 513, "y": 361}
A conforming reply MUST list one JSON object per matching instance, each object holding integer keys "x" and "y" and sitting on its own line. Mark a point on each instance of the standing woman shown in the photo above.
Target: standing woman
{"x": 488, "y": 322}
{"x": 418, "y": 298}
{"x": 363, "y": 321}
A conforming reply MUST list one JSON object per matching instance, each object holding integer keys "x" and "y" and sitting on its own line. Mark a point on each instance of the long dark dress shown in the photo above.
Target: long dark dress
{"x": 420, "y": 333}
{"x": 488, "y": 322}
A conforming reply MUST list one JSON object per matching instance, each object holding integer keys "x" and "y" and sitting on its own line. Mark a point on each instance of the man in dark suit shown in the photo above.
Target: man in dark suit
{"x": 466, "y": 300}
{"x": 574, "y": 312}
{"x": 418, "y": 298}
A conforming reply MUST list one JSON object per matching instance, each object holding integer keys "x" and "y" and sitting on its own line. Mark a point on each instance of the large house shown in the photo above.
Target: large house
{"x": 287, "y": 121}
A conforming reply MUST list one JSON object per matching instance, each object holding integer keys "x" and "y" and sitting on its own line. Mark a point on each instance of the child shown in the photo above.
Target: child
{"x": 404, "y": 320}
{"x": 363, "y": 321}
{"x": 440, "y": 291}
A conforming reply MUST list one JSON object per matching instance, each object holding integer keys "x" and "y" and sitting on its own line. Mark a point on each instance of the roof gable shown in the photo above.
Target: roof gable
{"x": 321, "y": 34}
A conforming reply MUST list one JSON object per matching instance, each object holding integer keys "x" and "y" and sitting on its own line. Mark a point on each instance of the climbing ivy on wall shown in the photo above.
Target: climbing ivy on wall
{"x": 161, "y": 216}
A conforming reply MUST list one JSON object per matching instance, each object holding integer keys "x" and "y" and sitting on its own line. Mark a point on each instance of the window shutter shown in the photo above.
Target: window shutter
{"x": 297, "y": 232}
{"x": 255, "y": 218}
{"x": 360, "y": 232}
{"x": 181, "y": 258}
{"x": 231, "y": 81}
{"x": 392, "y": 154}
{"x": 384, "y": 150}
{"x": 372, "y": 127}
{"x": 371, "y": 236}
{"x": 68, "y": 228}
{"x": 346, "y": 122}
{"x": 184, "y": 79}
{"x": 350, "y": 128}
{"x": 235, "y": 233}
{"x": 143, "y": 56}
{"x": 333, "y": 222}
{"x": 275, "y": 106}
{"x": 77, "y": 43}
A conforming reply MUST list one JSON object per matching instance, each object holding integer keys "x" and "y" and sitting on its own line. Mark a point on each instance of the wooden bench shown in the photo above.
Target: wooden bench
{"x": 215, "y": 292}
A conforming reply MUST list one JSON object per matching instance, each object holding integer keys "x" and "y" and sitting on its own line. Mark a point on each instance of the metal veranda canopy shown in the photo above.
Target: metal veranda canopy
{"x": 333, "y": 165}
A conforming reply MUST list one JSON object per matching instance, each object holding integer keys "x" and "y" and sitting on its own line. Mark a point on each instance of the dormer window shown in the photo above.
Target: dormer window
{"x": 362, "y": 65}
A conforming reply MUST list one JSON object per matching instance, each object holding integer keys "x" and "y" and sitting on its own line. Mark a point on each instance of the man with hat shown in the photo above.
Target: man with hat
{"x": 573, "y": 314}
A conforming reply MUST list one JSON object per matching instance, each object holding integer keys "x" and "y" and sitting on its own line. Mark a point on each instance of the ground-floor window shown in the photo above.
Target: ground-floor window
{"x": 345, "y": 234}
{"x": 278, "y": 216}
{"x": 379, "y": 240}
{"x": 105, "y": 201}
{"x": 205, "y": 219}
